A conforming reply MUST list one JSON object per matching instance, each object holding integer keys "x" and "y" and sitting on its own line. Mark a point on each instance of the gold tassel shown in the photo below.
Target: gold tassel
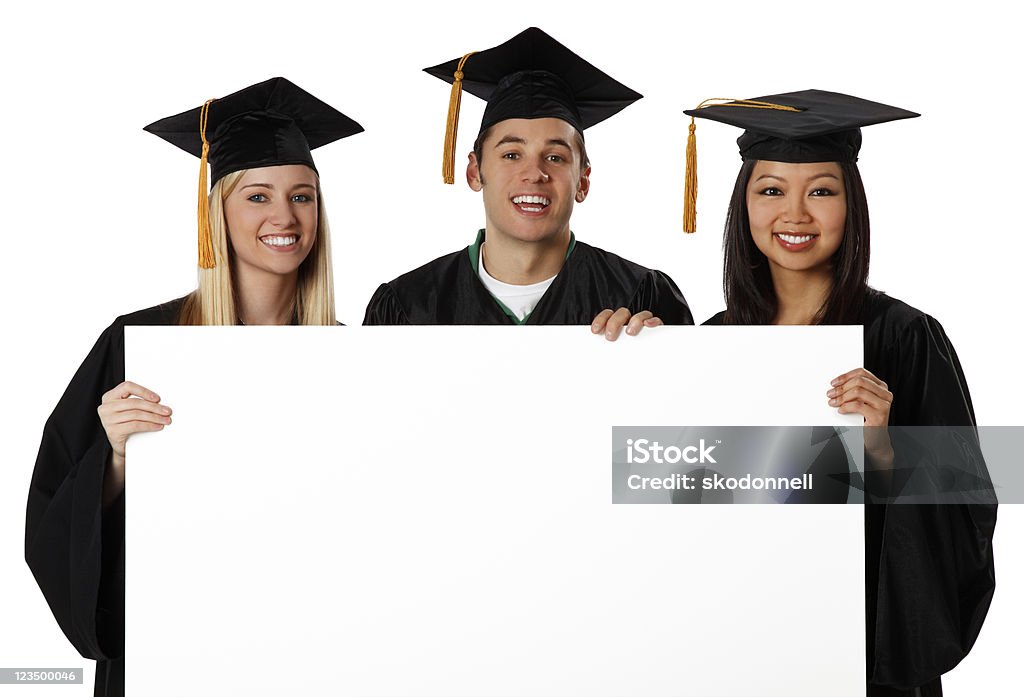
{"x": 452, "y": 127}
{"x": 207, "y": 259}
{"x": 690, "y": 191}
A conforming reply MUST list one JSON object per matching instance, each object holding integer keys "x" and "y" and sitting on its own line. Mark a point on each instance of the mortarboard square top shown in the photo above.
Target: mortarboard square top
{"x": 270, "y": 123}
{"x": 530, "y": 76}
{"x": 805, "y": 126}
{"x": 533, "y": 76}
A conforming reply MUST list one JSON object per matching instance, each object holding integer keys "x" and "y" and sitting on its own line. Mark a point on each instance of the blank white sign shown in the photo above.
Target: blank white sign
{"x": 427, "y": 511}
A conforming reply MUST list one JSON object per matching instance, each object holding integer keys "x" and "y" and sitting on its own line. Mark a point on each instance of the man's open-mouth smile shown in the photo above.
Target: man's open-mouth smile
{"x": 531, "y": 204}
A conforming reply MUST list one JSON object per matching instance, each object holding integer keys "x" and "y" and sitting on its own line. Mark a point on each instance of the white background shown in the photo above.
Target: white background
{"x": 99, "y": 216}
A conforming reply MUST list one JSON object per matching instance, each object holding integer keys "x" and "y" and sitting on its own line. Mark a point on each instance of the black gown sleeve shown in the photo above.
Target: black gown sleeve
{"x": 384, "y": 308}
{"x": 935, "y": 565}
{"x": 659, "y": 294}
{"x": 75, "y": 549}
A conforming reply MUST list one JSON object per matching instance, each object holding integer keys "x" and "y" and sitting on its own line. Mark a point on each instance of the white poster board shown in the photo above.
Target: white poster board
{"x": 427, "y": 511}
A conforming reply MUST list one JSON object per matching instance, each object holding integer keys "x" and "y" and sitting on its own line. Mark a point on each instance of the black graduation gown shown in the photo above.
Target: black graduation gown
{"x": 449, "y": 291}
{"x": 74, "y": 548}
{"x": 929, "y": 570}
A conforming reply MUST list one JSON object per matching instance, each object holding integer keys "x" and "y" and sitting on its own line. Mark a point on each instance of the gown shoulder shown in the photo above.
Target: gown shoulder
{"x": 159, "y": 315}
{"x": 645, "y": 288}
{"x": 910, "y": 351}
{"x": 418, "y": 293}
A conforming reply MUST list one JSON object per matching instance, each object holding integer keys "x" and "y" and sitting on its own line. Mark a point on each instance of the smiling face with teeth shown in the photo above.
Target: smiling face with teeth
{"x": 530, "y": 176}
{"x": 271, "y": 216}
{"x": 797, "y": 213}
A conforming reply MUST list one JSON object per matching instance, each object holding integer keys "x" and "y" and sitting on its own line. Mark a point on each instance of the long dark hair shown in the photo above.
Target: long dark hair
{"x": 749, "y": 293}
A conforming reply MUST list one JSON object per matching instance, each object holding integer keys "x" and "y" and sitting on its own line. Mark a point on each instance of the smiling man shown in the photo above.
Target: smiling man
{"x": 530, "y": 164}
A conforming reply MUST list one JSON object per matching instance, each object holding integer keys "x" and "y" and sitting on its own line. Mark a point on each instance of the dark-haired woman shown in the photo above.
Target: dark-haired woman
{"x": 797, "y": 248}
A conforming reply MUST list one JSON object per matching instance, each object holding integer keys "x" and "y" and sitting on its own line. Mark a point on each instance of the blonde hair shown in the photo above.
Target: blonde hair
{"x": 213, "y": 302}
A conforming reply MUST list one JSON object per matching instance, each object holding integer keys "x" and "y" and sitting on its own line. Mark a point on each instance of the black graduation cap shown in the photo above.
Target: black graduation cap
{"x": 274, "y": 122}
{"x": 530, "y": 76}
{"x": 804, "y": 126}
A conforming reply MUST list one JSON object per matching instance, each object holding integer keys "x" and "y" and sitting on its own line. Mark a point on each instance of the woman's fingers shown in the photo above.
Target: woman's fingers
{"x": 120, "y": 432}
{"x": 861, "y": 392}
{"x": 872, "y": 395}
{"x": 856, "y": 406}
{"x": 128, "y": 415}
{"x": 858, "y": 373}
{"x": 868, "y": 381}
{"x": 858, "y": 384}
{"x": 872, "y": 416}
{"x": 130, "y": 408}
{"x": 130, "y": 389}
{"x": 140, "y": 426}
{"x": 133, "y": 403}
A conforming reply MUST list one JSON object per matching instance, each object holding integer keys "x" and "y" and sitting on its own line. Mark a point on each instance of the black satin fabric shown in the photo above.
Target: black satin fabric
{"x": 74, "y": 548}
{"x": 274, "y": 122}
{"x": 532, "y": 76}
{"x": 832, "y": 147}
{"x": 449, "y": 291}
{"x": 929, "y": 571}
{"x": 824, "y": 128}
{"x": 531, "y": 94}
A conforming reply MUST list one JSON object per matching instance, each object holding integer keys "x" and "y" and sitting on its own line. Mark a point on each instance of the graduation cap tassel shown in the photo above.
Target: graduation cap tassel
{"x": 207, "y": 259}
{"x": 452, "y": 128}
{"x": 690, "y": 191}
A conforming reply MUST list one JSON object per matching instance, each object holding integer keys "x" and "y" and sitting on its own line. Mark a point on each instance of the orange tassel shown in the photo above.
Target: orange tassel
{"x": 207, "y": 259}
{"x": 452, "y": 126}
{"x": 690, "y": 191}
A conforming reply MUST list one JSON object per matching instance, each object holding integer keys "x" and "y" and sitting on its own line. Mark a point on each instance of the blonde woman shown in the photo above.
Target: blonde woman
{"x": 264, "y": 257}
